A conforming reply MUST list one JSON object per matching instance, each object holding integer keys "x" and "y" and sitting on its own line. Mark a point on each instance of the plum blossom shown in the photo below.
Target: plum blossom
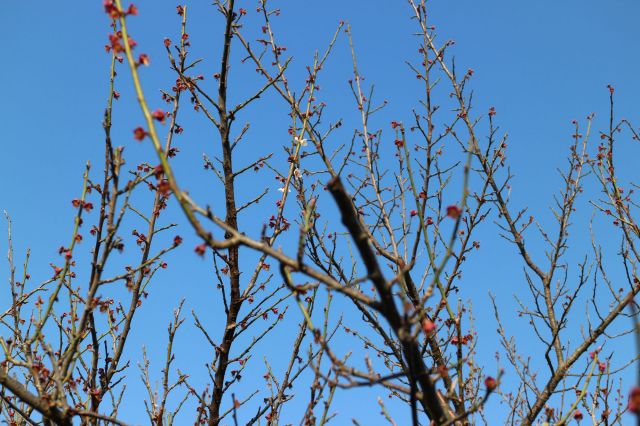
{"x": 300, "y": 141}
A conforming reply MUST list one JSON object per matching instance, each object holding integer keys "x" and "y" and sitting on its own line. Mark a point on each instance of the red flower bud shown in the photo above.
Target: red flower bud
{"x": 634, "y": 401}
{"x": 490, "y": 383}
{"x": 428, "y": 326}
{"x": 577, "y": 415}
{"x": 201, "y": 249}
{"x": 139, "y": 133}
{"x": 132, "y": 10}
{"x": 159, "y": 115}
{"x": 143, "y": 59}
{"x": 454, "y": 211}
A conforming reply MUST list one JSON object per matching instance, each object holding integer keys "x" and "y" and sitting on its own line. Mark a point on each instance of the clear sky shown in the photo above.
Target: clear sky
{"x": 540, "y": 63}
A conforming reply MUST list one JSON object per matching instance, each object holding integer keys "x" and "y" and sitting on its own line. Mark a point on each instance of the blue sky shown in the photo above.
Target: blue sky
{"x": 541, "y": 64}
